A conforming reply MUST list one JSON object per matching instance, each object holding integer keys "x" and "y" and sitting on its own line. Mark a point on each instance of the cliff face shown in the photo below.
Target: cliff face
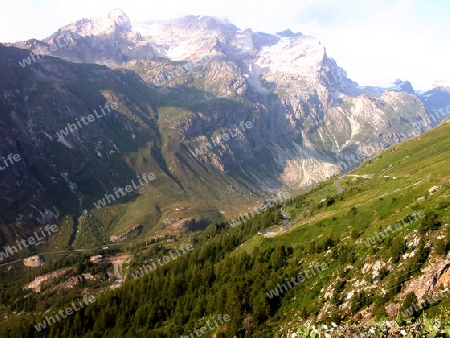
{"x": 178, "y": 85}
{"x": 309, "y": 117}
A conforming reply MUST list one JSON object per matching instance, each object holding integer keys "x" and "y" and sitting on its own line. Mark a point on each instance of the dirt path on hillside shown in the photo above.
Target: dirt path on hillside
{"x": 283, "y": 229}
{"x": 338, "y": 186}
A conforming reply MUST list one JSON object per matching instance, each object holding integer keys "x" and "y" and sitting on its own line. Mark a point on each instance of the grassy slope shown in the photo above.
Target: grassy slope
{"x": 399, "y": 175}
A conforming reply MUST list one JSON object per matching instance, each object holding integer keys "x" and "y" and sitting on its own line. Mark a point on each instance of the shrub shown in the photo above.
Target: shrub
{"x": 429, "y": 222}
{"x": 355, "y": 234}
{"x": 383, "y": 273}
{"x": 410, "y": 307}
{"x": 398, "y": 248}
{"x": 441, "y": 248}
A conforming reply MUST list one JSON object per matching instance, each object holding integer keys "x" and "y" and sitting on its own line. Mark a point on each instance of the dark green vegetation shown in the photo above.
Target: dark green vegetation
{"x": 231, "y": 269}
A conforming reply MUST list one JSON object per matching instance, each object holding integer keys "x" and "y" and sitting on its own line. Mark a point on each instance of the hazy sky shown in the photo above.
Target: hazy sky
{"x": 374, "y": 41}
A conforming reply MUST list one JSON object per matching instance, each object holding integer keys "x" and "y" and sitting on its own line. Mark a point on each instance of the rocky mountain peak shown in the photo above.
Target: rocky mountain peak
{"x": 115, "y": 21}
{"x": 117, "y": 13}
{"x": 200, "y": 22}
{"x": 120, "y": 19}
{"x": 403, "y": 86}
{"x": 288, "y": 33}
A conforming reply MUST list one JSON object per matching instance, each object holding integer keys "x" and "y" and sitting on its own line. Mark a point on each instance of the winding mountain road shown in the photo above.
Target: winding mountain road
{"x": 338, "y": 186}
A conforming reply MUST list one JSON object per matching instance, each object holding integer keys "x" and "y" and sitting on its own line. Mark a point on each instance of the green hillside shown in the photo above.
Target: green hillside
{"x": 366, "y": 255}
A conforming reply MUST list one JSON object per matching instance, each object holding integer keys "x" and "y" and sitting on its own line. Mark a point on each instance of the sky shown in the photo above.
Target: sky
{"x": 376, "y": 42}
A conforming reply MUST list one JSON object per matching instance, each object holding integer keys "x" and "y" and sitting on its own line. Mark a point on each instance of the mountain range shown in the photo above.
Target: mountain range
{"x": 177, "y": 84}
{"x": 133, "y": 136}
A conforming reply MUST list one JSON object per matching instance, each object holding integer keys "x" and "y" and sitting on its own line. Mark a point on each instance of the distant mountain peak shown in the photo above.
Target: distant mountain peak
{"x": 289, "y": 34}
{"x": 402, "y": 86}
{"x": 120, "y": 19}
{"x": 114, "y": 21}
{"x": 117, "y": 13}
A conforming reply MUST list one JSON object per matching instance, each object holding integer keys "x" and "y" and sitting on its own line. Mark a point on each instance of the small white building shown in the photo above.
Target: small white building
{"x": 95, "y": 258}
{"x": 34, "y": 261}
